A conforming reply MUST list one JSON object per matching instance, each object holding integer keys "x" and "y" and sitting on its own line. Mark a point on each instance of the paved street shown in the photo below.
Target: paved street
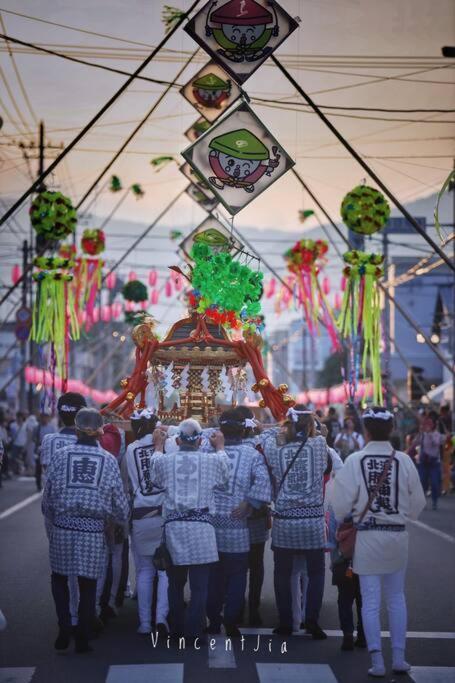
{"x": 122, "y": 656}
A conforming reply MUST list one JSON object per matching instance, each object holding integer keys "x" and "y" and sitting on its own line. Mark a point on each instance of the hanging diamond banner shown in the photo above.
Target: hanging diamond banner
{"x": 198, "y": 128}
{"x": 196, "y": 179}
{"x": 212, "y": 233}
{"x": 240, "y": 34}
{"x": 207, "y": 203}
{"x": 239, "y": 158}
{"x": 211, "y": 91}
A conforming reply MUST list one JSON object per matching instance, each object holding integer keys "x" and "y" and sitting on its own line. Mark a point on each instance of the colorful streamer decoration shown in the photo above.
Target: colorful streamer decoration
{"x": 359, "y": 321}
{"x": 93, "y": 242}
{"x": 365, "y": 210}
{"x": 54, "y": 316}
{"x": 305, "y": 260}
{"x": 52, "y": 215}
{"x": 87, "y": 277}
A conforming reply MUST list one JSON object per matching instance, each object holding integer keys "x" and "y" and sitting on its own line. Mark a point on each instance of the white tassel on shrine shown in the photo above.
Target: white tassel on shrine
{"x": 205, "y": 379}
{"x": 226, "y": 386}
{"x": 184, "y": 377}
{"x": 168, "y": 380}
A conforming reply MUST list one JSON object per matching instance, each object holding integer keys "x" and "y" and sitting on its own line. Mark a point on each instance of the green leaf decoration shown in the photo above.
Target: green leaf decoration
{"x": 135, "y": 290}
{"x": 137, "y": 190}
{"x": 115, "y": 184}
{"x": 171, "y": 16}
{"x": 52, "y": 215}
{"x": 159, "y": 163}
{"x": 304, "y": 214}
{"x": 365, "y": 210}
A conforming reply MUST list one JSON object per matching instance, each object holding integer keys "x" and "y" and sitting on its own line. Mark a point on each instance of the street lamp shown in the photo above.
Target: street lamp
{"x": 435, "y": 338}
{"x": 420, "y": 338}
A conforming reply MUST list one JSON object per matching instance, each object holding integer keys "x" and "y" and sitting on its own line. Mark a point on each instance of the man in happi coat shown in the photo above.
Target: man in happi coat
{"x": 189, "y": 478}
{"x": 83, "y": 493}
{"x": 248, "y": 488}
{"x": 52, "y": 445}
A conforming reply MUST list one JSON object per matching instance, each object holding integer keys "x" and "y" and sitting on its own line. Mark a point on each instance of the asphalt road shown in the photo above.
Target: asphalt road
{"x": 121, "y": 656}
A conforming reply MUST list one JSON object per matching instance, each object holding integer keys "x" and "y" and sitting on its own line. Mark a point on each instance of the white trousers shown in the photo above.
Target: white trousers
{"x": 370, "y": 587}
{"x": 299, "y": 585}
{"x": 145, "y": 575}
{"x": 115, "y": 553}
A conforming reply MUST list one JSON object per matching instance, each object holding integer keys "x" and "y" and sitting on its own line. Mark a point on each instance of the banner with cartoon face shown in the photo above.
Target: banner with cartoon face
{"x": 239, "y": 158}
{"x": 205, "y": 202}
{"x": 213, "y": 233}
{"x": 197, "y": 180}
{"x": 197, "y": 129}
{"x": 211, "y": 91}
{"x": 240, "y": 34}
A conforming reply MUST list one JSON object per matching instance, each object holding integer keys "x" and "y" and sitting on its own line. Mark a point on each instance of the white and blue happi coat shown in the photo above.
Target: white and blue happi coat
{"x": 298, "y": 518}
{"x": 248, "y": 481}
{"x": 189, "y": 479}
{"x": 258, "y": 527}
{"x": 52, "y": 444}
{"x": 83, "y": 492}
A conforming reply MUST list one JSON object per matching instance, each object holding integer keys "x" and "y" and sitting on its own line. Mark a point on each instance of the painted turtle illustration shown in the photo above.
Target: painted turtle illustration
{"x": 242, "y": 29}
{"x": 239, "y": 159}
{"x": 211, "y": 90}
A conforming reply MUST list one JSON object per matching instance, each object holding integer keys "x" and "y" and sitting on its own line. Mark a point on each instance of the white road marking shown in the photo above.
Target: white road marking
{"x": 436, "y": 532}
{"x": 219, "y": 656}
{"x": 433, "y": 674}
{"x": 145, "y": 673}
{"x": 16, "y": 674}
{"x": 295, "y": 673}
{"x": 19, "y": 506}
{"x": 431, "y": 635}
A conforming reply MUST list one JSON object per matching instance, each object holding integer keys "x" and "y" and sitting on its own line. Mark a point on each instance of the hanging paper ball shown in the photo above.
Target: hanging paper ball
{"x": 305, "y": 254}
{"x": 365, "y": 210}
{"x": 135, "y": 290}
{"x": 16, "y": 274}
{"x": 93, "y": 242}
{"x": 111, "y": 280}
{"x": 52, "y": 215}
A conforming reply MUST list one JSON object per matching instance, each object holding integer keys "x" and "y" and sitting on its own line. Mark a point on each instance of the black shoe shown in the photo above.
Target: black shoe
{"x": 213, "y": 630}
{"x": 63, "y": 639}
{"x": 315, "y": 631}
{"x": 232, "y": 631}
{"x": 282, "y": 631}
{"x": 82, "y": 646}
{"x": 162, "y": 631}
{"x": 360, "y": 640}
{"x": 254, "y": 619}
{"x": 107, "y": 613}
{"x": 347, "y": 644}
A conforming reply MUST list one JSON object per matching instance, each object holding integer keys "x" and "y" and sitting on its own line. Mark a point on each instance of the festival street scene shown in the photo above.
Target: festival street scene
{"x": 227, "y": 341}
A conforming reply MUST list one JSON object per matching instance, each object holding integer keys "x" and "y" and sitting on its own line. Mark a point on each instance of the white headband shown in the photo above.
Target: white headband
{"x": 68, "y": 409}
{"x": 293, "y": 414}
{"x": 144, "y": 414}
{"x": 371, "y": 415}
{"x": 250, "y": 423}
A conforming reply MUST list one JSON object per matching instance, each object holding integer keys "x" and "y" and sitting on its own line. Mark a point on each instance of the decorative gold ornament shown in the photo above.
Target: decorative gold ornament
{"x": 262, "y": 403}
{"x": 144, "y": 332}
{"x": 282, "y": 388}
{"x": 124, "y": 383}
{"x": 130, "y": 396}
{"x": 253, "y": 339}
{"x": 287, "y": 398}
{"x": 255, "y": 388}
{"x": 264, "y": 382}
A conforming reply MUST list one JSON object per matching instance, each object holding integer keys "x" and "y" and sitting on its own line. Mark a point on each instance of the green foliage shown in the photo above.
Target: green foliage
{"x": 135, "y": 290}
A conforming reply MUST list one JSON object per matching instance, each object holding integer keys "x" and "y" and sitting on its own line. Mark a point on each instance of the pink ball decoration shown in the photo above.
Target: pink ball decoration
{"x": 153, "y": 278}
{"x": 129, "y": 306}
{"x": 338, "y": 301}
{"x": 132, "y": 276}
{"x": 111, "y": 280}
{"x": 155, "y": 297}
{"x": 168, "y": 288}
{"x": 144, "y": 305}
{"x": 326, "y": 286}
{"x": 96, "y": 315}
{"x": 16, "y": 274}
{"x": 116, "y": 309}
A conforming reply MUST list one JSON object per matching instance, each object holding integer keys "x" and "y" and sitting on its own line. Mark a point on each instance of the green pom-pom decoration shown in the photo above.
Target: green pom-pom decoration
{"x": 365, "y": 210}
{"x": 52, "y": 215}
{"x": 135, "y": 290}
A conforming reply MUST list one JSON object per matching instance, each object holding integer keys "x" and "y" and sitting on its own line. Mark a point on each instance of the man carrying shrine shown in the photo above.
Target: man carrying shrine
{"x": 248, "y": 488}
{"x": 188, "y": 479}
{"x": 83, "y": 493}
